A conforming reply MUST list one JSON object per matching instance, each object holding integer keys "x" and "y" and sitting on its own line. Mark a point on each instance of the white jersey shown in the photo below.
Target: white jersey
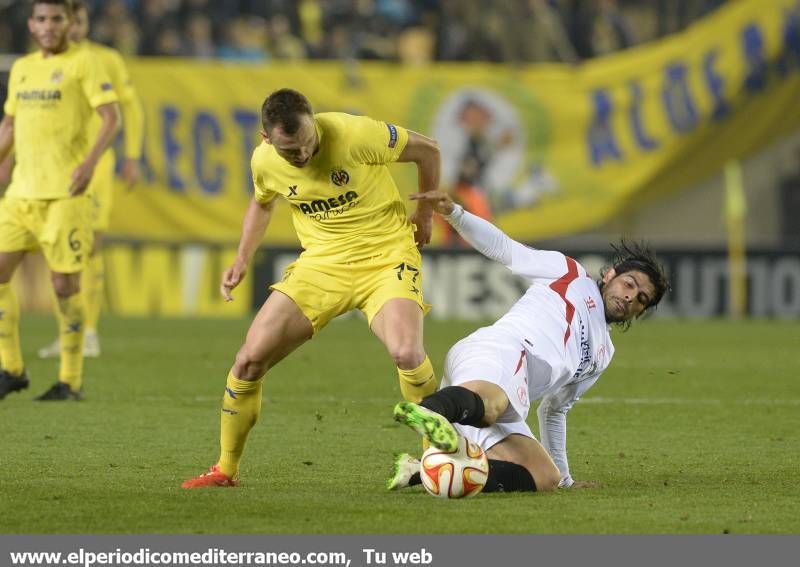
{"x": 557, "y": 330}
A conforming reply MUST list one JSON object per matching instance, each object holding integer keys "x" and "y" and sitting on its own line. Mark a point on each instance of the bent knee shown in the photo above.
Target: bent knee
{"x": 247, "y": 366}
{"x": 493, "y": 408}
{"x": 65, "y": 287}
{"x": 547, "y": 479}
{"x": 495, "y": 401}
{"x": 407, "y": 357}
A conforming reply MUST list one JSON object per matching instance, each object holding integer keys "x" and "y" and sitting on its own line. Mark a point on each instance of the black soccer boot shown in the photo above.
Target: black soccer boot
{"x": 60, "y": 392}
{"x": 11, "y": 383}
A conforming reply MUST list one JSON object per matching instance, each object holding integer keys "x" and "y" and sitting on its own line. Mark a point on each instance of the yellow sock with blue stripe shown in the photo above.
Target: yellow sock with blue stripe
{"x": 241, "y": 406}
{"x": 70, "y": 336}
{"x": 417, "y": 383}
{"x": 93, "y": 280}
{"x": 10, "y": 352}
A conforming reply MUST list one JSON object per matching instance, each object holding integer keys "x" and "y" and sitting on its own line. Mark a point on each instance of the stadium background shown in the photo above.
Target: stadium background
{"x": 571, "y": 153}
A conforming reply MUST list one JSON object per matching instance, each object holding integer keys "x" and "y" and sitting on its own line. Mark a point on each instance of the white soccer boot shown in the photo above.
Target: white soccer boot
{"x": 405, "y": 466}
{"x": 53, "y": 350}
{"x": 91, "y": 347}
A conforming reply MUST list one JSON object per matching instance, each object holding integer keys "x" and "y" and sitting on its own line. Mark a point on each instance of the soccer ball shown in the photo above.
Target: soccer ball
{"x": 454, "y": 474}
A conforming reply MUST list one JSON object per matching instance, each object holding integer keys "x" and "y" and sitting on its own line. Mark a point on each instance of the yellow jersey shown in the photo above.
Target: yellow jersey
{"x": 132, "y": 116}
{"x": 52, "y": 100}
{"x": 345, "y": 204}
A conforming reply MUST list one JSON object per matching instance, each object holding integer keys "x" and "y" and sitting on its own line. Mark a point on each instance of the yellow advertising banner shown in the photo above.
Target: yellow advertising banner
{"x": 543, "y": 150}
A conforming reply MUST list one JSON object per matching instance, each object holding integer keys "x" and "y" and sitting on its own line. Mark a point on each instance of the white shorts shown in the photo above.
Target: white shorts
{"x": 489, "y": 356}
{"x": 488, "y": 437}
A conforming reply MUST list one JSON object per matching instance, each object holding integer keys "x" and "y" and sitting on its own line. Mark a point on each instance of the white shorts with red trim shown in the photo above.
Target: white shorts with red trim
{"x": 492, "y": 357}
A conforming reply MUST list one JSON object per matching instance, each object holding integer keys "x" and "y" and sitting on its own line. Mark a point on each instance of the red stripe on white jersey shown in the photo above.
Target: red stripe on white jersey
{"x": 519, "y": 364}
{"x": 560, "y": 287}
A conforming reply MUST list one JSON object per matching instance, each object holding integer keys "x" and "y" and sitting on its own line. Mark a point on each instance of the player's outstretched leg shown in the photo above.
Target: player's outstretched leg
{"x": 404, "y": 468}
{"x": 432, "y": 426}
{"x": 213, "y": 477}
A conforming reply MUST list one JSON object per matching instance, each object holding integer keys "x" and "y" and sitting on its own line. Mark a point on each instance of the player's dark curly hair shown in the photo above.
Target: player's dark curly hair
{"x": 284, "y": 107}
{"x": 638, "y": 256}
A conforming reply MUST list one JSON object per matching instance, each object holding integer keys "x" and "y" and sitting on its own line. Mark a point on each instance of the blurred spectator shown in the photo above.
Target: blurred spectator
{"x": 168, "y": 41}
{"x": 454, "y": 35}
{"x": 246, "y": 40}
{"x": 199, "y": 36}
{"x": 415, "y": 46}
{"x": 311, "y": 16}
{"x": 518, "y": 31}
{"x": 283, "y": 44}
{"x": 550, "y": 40}
{"x": 126, "y": 38}
{"x": 611, "y": 31}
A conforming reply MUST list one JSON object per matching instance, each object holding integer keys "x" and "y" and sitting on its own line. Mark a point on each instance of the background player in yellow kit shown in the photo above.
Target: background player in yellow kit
{"x": 101, "y": 186}
{"x": 359, "y": 251}
{"x": 52, "y": 95}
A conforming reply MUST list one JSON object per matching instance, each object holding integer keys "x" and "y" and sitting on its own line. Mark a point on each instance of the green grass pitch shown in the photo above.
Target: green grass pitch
{"x": 694, "y": 429}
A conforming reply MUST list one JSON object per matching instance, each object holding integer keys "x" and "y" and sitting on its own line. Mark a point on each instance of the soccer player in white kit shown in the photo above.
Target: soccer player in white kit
{"x": 552, "y": 345}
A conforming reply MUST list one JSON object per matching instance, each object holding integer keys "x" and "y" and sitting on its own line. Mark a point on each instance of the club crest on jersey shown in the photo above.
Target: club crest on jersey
{"x": 57, "y": 76}
{"x": 340, "y": 177}
{"x": 522, "y": 394}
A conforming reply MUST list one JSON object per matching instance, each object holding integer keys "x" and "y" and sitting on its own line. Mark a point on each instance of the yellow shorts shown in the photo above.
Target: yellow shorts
{"x": 101, "y": 188}
{"x": 323, "y": 290}
{"x": 60, "y": 227}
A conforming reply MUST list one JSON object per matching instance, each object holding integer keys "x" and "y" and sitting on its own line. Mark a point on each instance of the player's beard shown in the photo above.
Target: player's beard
{"x": 52, "y": 42}
{"x": 615, "y": 310}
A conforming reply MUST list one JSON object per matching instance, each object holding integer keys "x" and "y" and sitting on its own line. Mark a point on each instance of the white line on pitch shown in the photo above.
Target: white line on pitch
{"x": 685, "y": 401}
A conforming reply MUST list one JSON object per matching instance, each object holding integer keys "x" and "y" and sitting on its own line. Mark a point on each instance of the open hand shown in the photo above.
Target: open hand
{"x": 231, "y": 278}
{"x": 81, "y": 176}
{"x": 586, "y": 484}
{"x": 131, "y": 172}
{"x": 424, "y": 223}
{"x": 440, "y": 201}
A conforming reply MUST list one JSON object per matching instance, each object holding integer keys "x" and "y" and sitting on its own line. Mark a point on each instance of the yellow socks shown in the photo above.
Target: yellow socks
{"x": 417, "y": 383}
{"x": 10, "y": 353}
{"x": 241, "y": 406}
{"x": 93, "y": 280}
{"x": 70, "y": 336}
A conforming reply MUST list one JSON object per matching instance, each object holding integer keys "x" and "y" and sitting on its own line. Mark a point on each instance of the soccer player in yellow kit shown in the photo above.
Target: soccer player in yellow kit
{"x": 359, "y": 252}
{"x": 101, "y": 186}
{"x": 52, "y": 95}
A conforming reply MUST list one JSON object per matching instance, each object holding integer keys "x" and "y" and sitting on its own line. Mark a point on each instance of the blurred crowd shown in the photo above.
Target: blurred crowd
{"x": 410, "y": 31}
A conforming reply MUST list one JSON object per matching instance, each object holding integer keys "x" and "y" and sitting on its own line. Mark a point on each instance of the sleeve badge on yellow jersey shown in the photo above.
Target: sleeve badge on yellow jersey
{"x": 392, "y": 135}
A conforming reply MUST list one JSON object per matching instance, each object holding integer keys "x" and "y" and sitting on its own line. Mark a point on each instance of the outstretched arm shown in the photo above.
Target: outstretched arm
{"x": 552, "y": 413}
{"x": 496, "y": 245}
{"x": 481, "y": 234}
